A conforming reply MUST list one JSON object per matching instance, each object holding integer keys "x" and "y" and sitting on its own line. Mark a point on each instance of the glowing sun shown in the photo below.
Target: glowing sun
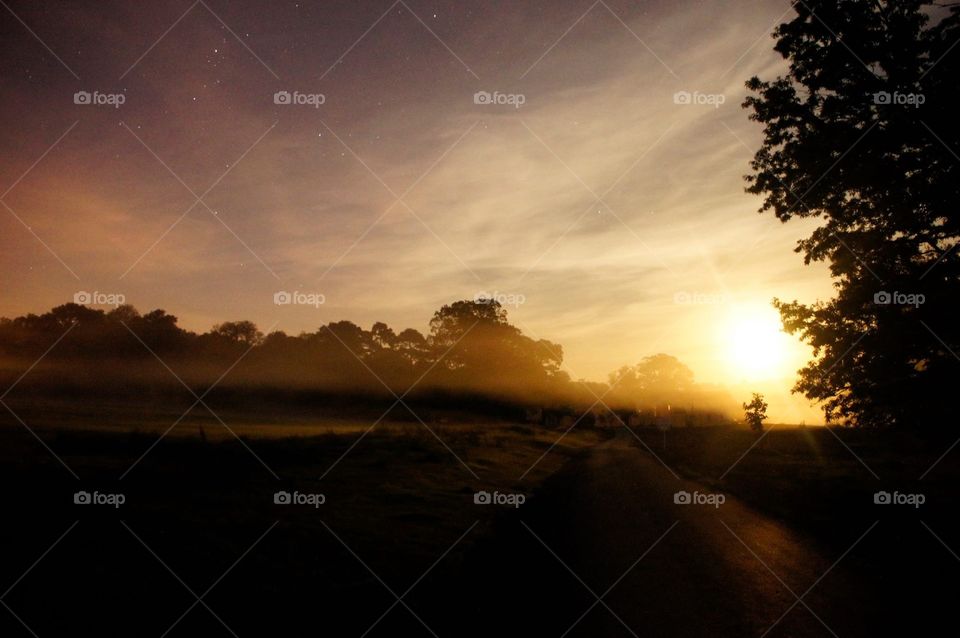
{"x": 756, "y": 346}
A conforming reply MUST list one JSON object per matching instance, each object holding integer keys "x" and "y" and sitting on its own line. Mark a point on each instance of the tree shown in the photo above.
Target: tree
{"x": 657, "y": 374}
{"x": 452, "y": 322}
{"x": 383, "y": 335}
{"x": 483, "y": 352}
{"x": 244, "y": 332}
{"x": 125, "y": 313}
{"x": 755, "y": 412}
{"x": 861, "y": 133}
{"x": 468, "y": 335}
{"x": 412, "y": 345}
{"x": 161, "y": 333}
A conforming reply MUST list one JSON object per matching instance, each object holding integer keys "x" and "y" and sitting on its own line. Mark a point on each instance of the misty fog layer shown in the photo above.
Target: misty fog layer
{"x": 471, "y": 350}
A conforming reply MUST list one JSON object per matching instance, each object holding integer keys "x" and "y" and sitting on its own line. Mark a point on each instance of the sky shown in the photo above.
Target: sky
{"x": 581, "y": 162}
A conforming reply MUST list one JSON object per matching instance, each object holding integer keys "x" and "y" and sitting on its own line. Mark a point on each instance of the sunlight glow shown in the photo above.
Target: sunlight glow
{"x": 756, "y": 346}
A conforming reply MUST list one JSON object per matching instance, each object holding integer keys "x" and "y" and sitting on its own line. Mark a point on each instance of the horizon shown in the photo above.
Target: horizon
{"x": 561, "y": 200}
{"x": 735, "y": 390}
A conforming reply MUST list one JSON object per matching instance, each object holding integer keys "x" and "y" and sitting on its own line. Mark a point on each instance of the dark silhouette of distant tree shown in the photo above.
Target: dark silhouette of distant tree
{"x": 755, "y": 412}
{"x": 452, "y": 322}
{"x": 244, "y": 332}
{"x": 412, "y": 346}
{"x": 125, "y": 313}
{"x": 161, "y": 333}
{"x": 472, "y": 358}
{"x": 662, "y": 387}
{"x": 862, "y": 134}
{"x": 481, "y": 349}
{"x": 659, "y": 374}
{"x": 383, "y": 335}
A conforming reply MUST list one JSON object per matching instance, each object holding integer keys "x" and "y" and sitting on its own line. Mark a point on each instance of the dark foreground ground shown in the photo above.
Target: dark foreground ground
{"x": 600, "y": 547}
{"x": 606, "y": 551}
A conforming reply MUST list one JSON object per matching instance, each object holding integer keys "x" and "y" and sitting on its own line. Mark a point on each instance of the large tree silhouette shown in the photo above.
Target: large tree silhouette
{"x": 472, "y": 349}
{"x": 479, "y": 347}
{"x": 862, "y": 134}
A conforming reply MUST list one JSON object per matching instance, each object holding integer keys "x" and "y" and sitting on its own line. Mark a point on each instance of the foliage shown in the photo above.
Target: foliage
{"x": 862, "y": 134}
{"x": 471, "y": 349}
{"x": 656, "y": 374}
{"x": 755, "y": 412}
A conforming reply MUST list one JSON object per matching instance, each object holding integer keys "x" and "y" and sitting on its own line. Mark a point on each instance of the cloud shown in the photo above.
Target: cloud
{"x": 597, "y": 200}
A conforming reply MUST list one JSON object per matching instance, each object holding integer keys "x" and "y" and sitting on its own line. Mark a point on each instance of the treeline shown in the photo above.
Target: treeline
{"x": 472, "y": 356}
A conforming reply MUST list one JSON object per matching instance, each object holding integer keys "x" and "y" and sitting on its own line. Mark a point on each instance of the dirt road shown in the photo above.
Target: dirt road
{"x": 605, "y": 550}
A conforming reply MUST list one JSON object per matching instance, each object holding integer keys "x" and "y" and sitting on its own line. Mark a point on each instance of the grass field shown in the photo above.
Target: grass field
{"x": 397, "y": 498}
{"x": 398, "y": 512}
{"x": 812, "y": 476}
{"x": 823, "y": 483}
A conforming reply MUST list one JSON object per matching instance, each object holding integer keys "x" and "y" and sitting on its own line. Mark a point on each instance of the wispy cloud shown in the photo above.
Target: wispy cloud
{"x": 513, "y": 203}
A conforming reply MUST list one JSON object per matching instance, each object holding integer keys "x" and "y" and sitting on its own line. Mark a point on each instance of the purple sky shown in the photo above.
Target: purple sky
{"x": 597, "y": 204}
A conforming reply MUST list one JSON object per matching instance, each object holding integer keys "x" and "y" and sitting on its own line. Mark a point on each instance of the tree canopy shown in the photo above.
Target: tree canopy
{"x": 862, "y": 134}
{"x": 470, "y": 349}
